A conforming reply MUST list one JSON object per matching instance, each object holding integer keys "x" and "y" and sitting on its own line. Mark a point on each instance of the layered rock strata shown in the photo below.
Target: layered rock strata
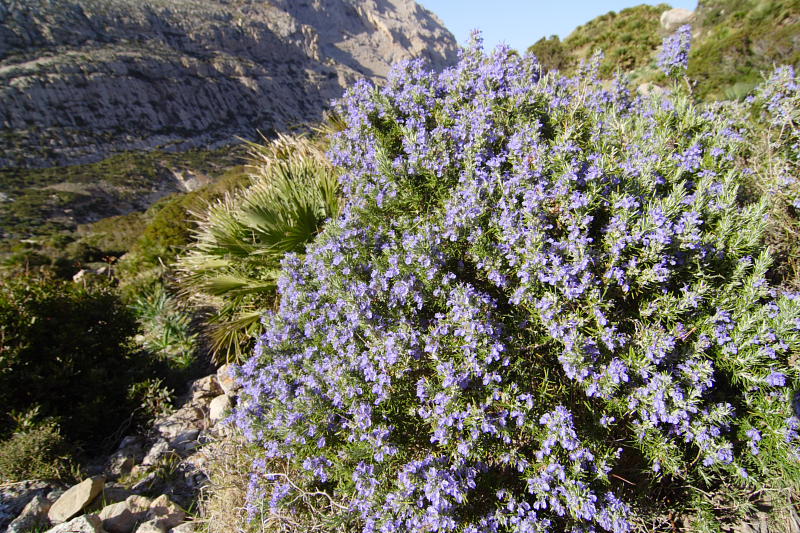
{"x": 80, "y": 79}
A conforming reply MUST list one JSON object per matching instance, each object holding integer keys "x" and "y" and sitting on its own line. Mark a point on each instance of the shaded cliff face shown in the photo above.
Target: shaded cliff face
{"x": 80, "y": 79}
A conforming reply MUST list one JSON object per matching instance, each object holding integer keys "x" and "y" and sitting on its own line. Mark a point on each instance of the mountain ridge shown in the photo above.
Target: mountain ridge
{"x": 85, "y": 79}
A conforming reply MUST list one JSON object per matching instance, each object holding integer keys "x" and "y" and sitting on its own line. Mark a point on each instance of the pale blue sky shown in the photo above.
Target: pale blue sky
{"x": 520, "y": 23}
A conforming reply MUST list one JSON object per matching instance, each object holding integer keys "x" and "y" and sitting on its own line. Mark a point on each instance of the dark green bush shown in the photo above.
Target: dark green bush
{"x": 36, "y": 453}
{"x": 66, "y": 348}
{"x": 551, "y": 53}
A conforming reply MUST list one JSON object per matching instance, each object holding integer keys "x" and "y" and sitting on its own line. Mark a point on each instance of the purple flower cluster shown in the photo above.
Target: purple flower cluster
{"x": 776, "y": 103}
{"x": 674, "y": 56}
{"x": 533, "y": 278}
{"x": 780, "y": 97}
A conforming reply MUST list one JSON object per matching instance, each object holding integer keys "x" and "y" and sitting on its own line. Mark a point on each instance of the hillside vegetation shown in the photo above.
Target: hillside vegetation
{"x": 497, "y": 298}
{"x": 739, "y": 41}
{"x": 735, "y": 43}
{"x": 628, "y": 40}
{"x": 41, "y": 201}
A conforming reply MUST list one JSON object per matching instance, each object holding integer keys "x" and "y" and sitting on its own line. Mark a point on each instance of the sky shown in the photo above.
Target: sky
{"x": 520, "y": 23}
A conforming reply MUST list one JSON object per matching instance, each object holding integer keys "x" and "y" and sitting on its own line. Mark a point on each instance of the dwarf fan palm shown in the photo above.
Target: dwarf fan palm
{"x": 234, "y": 260}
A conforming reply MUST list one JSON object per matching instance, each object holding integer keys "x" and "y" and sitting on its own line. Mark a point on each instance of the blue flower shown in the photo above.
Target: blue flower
{"x": 674, "y": 56}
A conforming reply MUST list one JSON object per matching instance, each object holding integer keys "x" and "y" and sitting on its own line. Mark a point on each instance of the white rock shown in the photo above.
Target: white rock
{"x": 185, "y": 442}
{"x": 226, "y": 381}
{"x": 120, "y": 464}
{"x": 75, "y": 499}
{"x": 123, "y": 517}
{"x": 128, "y": 455}
{"x": 186, "y": 527}
{"x": 151, "y": 526}
{"x": 190, "y": 416}
{"x": 111, "y": 494}
{"x": 218, "y": 408}
{"x": 15, "y": 496}
{"x": 161, "y": 447}
{"x": 32, "y": 516}
{"x": 88, "y": 523}
{"x": 206, "y": 387}
{"x": 130, "y": 441}
{"x": 164, "y": 512}
{"x": 146, "y": 484}
{"x": 673, "y": 19}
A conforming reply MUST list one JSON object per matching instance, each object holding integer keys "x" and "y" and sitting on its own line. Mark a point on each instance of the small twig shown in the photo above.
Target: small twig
{"x": 623, "y": 479}
{"x": 308, "y": 494}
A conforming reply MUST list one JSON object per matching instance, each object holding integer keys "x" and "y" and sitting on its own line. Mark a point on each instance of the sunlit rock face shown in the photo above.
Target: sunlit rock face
{"x": 82, "y": 78}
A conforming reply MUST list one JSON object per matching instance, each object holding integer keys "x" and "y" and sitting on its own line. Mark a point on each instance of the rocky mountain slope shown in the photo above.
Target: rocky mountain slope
{"x": 80, "y": 79}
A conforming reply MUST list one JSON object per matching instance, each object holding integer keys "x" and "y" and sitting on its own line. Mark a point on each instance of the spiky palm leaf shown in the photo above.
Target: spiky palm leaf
{"x": 240, "y": 240}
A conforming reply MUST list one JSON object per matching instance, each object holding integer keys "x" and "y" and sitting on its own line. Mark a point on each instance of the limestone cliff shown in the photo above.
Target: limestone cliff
{"x": 80, "y": 79}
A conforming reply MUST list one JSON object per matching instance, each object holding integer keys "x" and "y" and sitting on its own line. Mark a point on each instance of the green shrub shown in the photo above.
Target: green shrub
{"x": 770, "y": 120}
{"x": 551, "y": 53}
{"x": 166, "y": 231}
{"x": 154, "y": 399}
{"x": 39, "y": 452}
{"x": 67, "y": 348}
{"x": 166, "y": 327}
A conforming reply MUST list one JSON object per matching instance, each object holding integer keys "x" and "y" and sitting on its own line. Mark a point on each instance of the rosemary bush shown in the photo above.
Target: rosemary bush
{"x": 543, "y": 308}
{"x": 770, "y": 120}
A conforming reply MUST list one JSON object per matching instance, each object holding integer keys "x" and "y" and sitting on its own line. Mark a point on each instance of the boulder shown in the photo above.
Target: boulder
{"x": 207, "y": 387}
{"x": 33, "y": 516}
{"x": 129, "y": 454}
{"x": 151, "y": 526}
{"x": 160, "y": 448}
{"x": 113, "y": 493}
{"x": 673, "y": 19}
{"x": 120, "y": 464}
{"x": 15, "y": 496}
{"x": 189, "y": 417}
{"x": 165, "y": 513}
{"x": 146, "y": 483}
{"x": 186, "y": 442}
{"x": 227, "y": 382}
{"x": 72, "y": 502}
{"x": 218, "y": 408}
{"x": 88, "y": 523}
{"x": 123, "y": 517}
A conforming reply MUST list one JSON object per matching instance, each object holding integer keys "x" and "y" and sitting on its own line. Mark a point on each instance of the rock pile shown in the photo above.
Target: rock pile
{"x": 147, "y": 482}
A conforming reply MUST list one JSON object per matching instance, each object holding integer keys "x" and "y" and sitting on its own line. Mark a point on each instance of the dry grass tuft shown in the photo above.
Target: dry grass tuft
{"x": 227, "y": 465}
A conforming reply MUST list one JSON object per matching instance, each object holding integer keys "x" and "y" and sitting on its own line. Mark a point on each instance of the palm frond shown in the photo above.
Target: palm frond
{"x": 240, "y": 239}
{"x": 231, "y": 335}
